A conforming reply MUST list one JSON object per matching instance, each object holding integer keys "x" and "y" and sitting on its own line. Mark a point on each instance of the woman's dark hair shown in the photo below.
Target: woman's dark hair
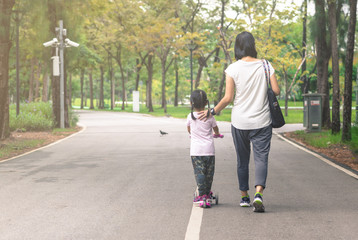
{"x": 198, "y": 100}
{"x": 245, "y": 46}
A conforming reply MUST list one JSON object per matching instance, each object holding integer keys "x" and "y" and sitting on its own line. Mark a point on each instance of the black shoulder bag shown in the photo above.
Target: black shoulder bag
{"x": 276, "y": 113}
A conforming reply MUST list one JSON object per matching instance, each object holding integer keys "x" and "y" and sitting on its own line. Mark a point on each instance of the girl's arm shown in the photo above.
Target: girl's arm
{"x": 189, "y": 129}
{"x": 216, "y": 130}
{"x": 226, "y": 100}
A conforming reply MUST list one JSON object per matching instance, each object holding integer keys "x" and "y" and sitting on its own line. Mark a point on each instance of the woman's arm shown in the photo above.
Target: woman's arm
{"x": 274, "y": 85}
{"x": 189, "y": 129}
{"x": 226, "y": 100}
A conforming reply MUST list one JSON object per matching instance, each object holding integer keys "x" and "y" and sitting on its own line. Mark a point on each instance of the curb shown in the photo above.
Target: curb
{"x": 48, "y": 145}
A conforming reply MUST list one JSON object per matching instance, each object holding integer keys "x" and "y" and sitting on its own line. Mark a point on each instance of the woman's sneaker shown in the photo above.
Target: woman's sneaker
{"x": 258, "y": 203}
{"x": 245, "y": 201}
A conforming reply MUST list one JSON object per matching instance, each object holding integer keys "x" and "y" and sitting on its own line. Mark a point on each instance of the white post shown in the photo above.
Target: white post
{"x": 135, "y": 101}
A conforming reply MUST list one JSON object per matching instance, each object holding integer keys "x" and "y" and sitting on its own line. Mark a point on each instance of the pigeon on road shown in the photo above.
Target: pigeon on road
{"x": 162, "y": 133}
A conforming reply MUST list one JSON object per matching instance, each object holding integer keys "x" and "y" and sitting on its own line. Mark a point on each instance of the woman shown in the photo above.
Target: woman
{"x": 250, "y": 117}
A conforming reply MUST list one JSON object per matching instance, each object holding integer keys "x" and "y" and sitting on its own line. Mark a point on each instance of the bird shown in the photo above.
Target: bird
{"x": 162, "y": 133}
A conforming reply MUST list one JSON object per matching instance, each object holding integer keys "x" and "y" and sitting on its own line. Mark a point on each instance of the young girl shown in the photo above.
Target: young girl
{"x": 202, "y": 149}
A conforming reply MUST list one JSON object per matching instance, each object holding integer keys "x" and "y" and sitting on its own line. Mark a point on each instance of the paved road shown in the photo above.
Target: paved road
{"x": 119, "y": 179}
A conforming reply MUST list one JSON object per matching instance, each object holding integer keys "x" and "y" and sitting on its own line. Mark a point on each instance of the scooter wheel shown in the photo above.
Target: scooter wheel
{"x": 216, "y": 199}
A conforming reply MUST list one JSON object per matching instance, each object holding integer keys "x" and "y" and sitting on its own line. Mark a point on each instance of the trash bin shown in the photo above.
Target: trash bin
{"x": 312, "y": 112}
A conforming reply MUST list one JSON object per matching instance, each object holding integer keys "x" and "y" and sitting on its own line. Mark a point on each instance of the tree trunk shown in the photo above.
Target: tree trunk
{"x": 176, "y": 83}
{"x": 66, "y": 115}
{"x": 82, "y": 80}
{"x": 221, "y": 86}
{"x": 119, "y": 62}
{"x": 200, "y": 69}
{"x": 31, "y": 80}
{"x": 110, "y": 69}
{"x": 149, "y": 66}
{"x": 323, "y": 55}
{"x": 5, "y": 45}
{"x": 123, "y": 89}
{"x": 45, "y": 82}
{"x": 101, "y": 97}
{"x": 55, "y": 80}
{"x": 90, "y": 77}
{"x": 164, "y": 100}
{"x": 138, "y": 67}
{"x": 123, "y": 86}
{"x": 305, "y": 85}
{"x": 37, "y": 81}
{"x": 347, "y": 107}
{"x": 336, "y": 124}
{"x": 286, "y": 92}
{"x": 45, "y": 86}
{"x": 70, "y": 92}
{"x": 202, "y": 63}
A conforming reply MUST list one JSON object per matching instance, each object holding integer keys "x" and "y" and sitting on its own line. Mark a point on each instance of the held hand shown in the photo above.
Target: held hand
{"x": 203, "y": 115}
{"x": 218, "y": 135}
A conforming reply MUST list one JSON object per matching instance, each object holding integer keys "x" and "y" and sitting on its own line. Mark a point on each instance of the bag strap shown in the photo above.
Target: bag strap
{"x": 267, "y": 74}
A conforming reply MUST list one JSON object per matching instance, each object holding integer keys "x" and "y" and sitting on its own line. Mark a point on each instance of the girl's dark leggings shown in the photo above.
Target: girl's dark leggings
{"x": 204, "y": 167}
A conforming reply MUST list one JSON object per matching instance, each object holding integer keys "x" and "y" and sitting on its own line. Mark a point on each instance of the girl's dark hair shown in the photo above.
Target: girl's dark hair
{"x": 245, "y": 46}
{"x": 198, "y": 100}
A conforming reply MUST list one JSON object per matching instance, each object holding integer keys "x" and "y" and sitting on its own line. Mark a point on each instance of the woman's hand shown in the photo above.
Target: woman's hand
{"x": 203, "y": 115}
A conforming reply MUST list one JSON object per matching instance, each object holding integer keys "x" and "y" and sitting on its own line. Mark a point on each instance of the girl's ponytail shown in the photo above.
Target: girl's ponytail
{"x": 192, "y": 115}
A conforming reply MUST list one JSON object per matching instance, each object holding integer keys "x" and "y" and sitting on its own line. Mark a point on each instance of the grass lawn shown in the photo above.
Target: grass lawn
{"x": 15, "y": 146}
{"x": 21, "y": 142}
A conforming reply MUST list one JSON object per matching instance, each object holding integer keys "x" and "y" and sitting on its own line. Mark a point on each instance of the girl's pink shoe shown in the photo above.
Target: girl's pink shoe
{"x": 200, "y": 201}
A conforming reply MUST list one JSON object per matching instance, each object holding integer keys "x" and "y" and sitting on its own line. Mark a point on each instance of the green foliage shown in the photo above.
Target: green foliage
{"x": 325, "y": 138}
{"x": 35, "y": 116}
{"x": 73, "y": 117}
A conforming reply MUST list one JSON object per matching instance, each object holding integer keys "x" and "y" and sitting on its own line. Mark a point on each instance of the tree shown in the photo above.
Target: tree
{"x": 347, "y": 108}
{"x": 149, "y": 65}
{"x": 56, "y": 12}
{"x": 101, "y": 94}
{"x": 336, "y": 124}
{"x": 305, "y": 85}
{"x": 82, "y": 80}
{"x": 323, "y": 56}
{"x": 90, "y": 78}
{"x": 5, "y": 45}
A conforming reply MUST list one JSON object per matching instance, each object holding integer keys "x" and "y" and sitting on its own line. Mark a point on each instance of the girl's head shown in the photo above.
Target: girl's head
{"x": 198, "y": 101}
{"x": 245, "y": 46}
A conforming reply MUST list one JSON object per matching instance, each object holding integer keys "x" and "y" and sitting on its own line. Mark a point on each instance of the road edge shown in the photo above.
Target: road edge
{"x": 345, "y": 169}
{"x": 48, "y": 145}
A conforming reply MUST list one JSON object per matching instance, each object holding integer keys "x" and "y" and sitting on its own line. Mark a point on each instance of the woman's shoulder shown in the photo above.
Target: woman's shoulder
{"x": 233, "y": 67}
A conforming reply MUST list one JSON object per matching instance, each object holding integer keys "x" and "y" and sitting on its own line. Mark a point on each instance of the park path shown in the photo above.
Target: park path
{"x": 120, "y": 179}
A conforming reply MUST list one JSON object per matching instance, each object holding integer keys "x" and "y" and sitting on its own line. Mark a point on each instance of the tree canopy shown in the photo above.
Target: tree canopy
{"x": 144, "y": 45}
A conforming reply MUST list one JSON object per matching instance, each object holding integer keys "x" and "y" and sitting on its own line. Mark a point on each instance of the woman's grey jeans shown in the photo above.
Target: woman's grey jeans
{"x": 261, "y": 142}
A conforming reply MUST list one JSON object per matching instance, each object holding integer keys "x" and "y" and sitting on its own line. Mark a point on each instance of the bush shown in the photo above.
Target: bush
{"x": 36, "y": 116}
{"x": 74, "y": 118}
